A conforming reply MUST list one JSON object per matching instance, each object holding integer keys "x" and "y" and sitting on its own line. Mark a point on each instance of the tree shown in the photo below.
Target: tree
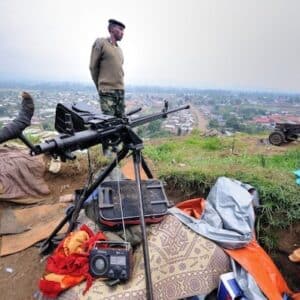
{"x": 154, "y": 127}
{"x": 213, "y": 123}
{"x": 141, "y": 131}
{"x": 233, "y": 122}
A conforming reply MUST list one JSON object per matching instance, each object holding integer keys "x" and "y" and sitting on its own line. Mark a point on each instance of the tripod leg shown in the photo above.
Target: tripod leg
{"x": 137, "y": 161}
{"x": 100, "y": 178}
{"x": 72, "y": 215}
{"x": 47, "y": 245}
{"x": 146, "y": 168}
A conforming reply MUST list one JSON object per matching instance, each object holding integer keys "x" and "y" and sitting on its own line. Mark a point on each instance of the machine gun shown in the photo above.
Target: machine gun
{"x": 81, "y": 127}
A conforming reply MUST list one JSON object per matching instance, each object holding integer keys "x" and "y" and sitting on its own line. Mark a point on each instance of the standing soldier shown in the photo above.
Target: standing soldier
{"x": 106, "y": 67}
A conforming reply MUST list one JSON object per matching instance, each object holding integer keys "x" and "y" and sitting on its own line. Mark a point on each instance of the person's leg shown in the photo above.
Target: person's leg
{"x": 112, "y": 103}
{"x": 107, "y": 103}
{"x": 119, "y": 108}
{"x": 119, "y": 104}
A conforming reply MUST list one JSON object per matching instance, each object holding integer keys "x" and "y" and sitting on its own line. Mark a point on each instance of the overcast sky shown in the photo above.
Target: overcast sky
{"x": 252, "y": 44}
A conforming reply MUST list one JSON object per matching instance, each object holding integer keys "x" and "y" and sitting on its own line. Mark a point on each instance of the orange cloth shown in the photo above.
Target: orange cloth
{"x": 64, "y": 281}
{"x": 193, "y": 207}
{"x": 74, "y": 241}
{"x": 52, "y": 284}
{"x": 251, "y": 257}
{"x": 258, "y": 263}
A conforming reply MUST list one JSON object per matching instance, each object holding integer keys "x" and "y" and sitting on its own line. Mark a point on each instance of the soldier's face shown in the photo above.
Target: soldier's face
{"x": 118, "y": 32}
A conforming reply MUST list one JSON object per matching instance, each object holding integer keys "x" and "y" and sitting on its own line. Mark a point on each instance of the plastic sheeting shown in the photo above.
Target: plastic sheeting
{"x": 228, "y": 217}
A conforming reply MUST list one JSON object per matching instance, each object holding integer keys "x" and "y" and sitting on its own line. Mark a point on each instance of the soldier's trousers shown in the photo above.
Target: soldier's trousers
{"x": 112, "y": 102}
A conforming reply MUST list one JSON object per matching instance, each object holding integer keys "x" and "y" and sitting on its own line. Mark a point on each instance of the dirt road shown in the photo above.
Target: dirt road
{"x": 201, "y": 121}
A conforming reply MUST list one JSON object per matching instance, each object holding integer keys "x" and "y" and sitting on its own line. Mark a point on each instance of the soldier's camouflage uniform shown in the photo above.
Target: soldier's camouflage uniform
{"x": 112, "y": 102}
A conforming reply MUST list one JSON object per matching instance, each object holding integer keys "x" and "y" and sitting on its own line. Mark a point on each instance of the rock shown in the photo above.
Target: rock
{"x": 66, "y": 198}
{"x": 54, "y": 166}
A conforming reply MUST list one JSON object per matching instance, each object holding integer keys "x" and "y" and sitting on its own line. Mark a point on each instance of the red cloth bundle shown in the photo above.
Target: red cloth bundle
{"x": 69, "y": 264}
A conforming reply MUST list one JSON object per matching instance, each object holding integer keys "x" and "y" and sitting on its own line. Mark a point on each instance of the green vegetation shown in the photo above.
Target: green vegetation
{"x": 192, "y": 164}
{"x": 33, "y": 139}
{"x": 48, "y": 125}
{"x": 235, "y": 117}
{"x": 152, "y": 130}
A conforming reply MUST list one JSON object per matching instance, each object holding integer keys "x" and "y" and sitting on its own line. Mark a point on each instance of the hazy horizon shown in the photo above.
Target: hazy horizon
{"x": 38, "y": 83}
{"x": 246, "y": 45}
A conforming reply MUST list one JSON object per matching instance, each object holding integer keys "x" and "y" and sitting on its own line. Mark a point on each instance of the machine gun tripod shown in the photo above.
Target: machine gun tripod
{"x": 134, "y": 149}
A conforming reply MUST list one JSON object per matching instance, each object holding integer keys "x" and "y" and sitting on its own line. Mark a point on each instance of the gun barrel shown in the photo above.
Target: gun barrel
{"x": 146, "y": 119}
{"x": 134, "y": 111}
{"x": 78, "y": 141}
